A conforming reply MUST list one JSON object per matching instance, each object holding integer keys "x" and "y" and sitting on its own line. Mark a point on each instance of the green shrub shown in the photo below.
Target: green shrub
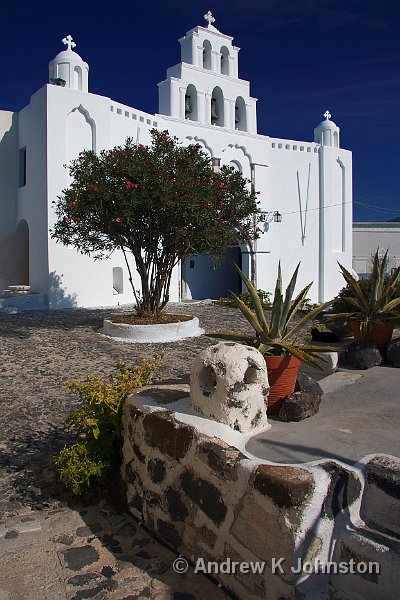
{"x": 95, "y": 454}
{"x": 247, "y": 299}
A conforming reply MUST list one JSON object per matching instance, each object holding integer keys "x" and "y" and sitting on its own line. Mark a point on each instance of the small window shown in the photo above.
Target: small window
{"x": 119, "y": 111}
{"x": 127, "y": 113}
{"x": 22, "y": 167}
{"x": 191, "y": 264}
{"x": 118, "y": 281}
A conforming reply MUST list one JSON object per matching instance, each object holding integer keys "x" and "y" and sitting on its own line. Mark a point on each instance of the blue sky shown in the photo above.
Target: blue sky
{"x": 300, "y": 56}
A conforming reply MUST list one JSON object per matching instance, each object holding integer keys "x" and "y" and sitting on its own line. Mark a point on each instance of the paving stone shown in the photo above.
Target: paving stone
{"x": 82, "y": 556}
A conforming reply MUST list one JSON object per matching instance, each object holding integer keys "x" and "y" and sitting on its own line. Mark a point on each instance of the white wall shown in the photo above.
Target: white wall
{"x": 368, "y": 237}
{"x": 32, "y": 198}
{"x": 8, "y": 205}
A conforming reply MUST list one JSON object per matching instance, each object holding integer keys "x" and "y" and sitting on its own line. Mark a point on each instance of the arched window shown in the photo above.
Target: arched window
{"x": 207, "y": 55}
{"x": 224, "y": 60}
{"x": 78, "y": 78}
{"x": 217, "y": 107}
{"x": 191, "y": 103}
{"x": 327, "y": 137}
{"x": 335, "y": 139}
{"x": 240, "y": 114}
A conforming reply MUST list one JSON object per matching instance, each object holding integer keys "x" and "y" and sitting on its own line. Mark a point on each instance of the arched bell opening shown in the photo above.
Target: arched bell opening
{"x": 191, "y": 103}
{"x": 217, "y": 107}
{"x": 240, "y": 114}
{"x": 207, "y": 55}
{"x": 224, "y": 60}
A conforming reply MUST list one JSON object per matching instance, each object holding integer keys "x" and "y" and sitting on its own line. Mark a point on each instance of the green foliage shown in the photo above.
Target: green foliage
{"x": 97, "y": 425}
{"x": 161, "y": 203}
{"x": 275, "y": 336}
{"x": 265, "y": 299}
{"x": 375, "y": 299}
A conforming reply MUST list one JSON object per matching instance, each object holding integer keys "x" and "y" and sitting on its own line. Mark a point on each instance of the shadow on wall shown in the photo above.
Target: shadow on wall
{"x": 58, "y": 298}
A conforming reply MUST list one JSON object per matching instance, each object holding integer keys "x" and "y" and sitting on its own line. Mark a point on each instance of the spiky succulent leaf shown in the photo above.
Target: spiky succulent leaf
{"x": 306, "y": 319}
{"x": 287, "y": 305}
{"x": 235, "y": 337}
{"x": 248, "y": 314}
{"x": 277, "y": 305}
{"x": 297, "y": 303}
{"x": 353, "y": 283}
{"x": 256, "y": 299}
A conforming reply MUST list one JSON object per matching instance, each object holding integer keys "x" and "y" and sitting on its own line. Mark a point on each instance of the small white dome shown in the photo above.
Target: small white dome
{"x": 68, "y": 54}
{"x": 327, "y": 132}
{"x": 68, "y": 69}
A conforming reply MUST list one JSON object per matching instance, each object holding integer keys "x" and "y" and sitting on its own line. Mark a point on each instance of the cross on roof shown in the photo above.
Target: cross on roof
{"x": 208, "y": 17}
{"x": 327, "y": 115}
{"x": 68, "y": 41}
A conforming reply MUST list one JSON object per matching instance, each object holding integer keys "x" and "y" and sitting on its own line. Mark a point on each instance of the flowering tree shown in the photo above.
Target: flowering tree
{"x": 160, "y": 203}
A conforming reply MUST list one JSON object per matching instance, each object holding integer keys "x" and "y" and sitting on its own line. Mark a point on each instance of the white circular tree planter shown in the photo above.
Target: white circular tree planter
{"x": 163, "y": 332}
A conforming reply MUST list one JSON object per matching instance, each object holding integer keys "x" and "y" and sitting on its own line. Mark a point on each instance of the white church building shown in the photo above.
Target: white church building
{"x": 306, "y": 184}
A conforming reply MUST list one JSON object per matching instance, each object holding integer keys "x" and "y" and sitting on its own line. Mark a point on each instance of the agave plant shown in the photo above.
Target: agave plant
{"x": 275, "y": 335}
{"x": 379, "y": 305}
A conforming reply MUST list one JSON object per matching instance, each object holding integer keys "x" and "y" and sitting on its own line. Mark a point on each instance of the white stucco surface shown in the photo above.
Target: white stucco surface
{"x": 308, "y": 182}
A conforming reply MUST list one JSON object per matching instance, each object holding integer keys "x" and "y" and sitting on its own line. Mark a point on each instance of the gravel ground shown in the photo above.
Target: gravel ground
{"x": 41, "y": 350}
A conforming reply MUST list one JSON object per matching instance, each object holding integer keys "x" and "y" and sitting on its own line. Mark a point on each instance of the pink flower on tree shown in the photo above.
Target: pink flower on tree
{"x": 118, "y": 220}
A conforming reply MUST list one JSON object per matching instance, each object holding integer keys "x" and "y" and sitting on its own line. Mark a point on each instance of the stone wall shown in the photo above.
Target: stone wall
{"x": 190, "y": 480}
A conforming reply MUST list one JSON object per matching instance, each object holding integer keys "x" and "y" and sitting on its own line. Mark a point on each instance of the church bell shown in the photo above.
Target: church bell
{"x": 214, "y": 114}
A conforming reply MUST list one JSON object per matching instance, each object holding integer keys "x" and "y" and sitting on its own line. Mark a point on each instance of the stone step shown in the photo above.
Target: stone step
{"x": 374, "y": 561}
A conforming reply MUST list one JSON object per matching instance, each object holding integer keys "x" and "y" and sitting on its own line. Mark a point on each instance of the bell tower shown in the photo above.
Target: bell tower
{"x": 205, "y": 86}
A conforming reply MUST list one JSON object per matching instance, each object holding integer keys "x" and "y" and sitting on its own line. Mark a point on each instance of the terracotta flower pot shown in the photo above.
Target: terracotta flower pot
{"x": 380, "y": 334}
{"x": 282, "y": 376}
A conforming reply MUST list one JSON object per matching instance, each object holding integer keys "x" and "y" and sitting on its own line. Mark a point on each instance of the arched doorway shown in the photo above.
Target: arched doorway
{"x": 201, "y": 280}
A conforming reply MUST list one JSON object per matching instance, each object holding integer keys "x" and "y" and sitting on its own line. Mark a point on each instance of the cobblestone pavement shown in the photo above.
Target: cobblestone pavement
{"x": 94, "y": 556}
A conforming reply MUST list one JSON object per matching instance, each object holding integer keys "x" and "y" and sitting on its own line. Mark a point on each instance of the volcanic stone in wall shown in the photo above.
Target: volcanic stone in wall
{"x": 163, "y": 432}
{"x": 286, "y": 486}
{"x": 221, "y": 458}
{"x": 157, "y": 470}
{"x": 205, "y": 495}
{"x": 176, "y": 507}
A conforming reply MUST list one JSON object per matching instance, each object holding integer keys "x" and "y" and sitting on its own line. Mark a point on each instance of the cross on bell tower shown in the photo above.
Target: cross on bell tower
{"x": 209, "y": 17}
{"x": 68, "y": 41}
{"x": 327, "y": 115}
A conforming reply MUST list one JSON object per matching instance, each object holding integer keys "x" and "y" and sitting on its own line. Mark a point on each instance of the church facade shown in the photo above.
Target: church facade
{"x": 305, "y": 187}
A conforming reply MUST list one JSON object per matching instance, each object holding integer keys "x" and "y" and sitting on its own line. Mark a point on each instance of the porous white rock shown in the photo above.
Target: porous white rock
{"x": 229, "y": 383}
